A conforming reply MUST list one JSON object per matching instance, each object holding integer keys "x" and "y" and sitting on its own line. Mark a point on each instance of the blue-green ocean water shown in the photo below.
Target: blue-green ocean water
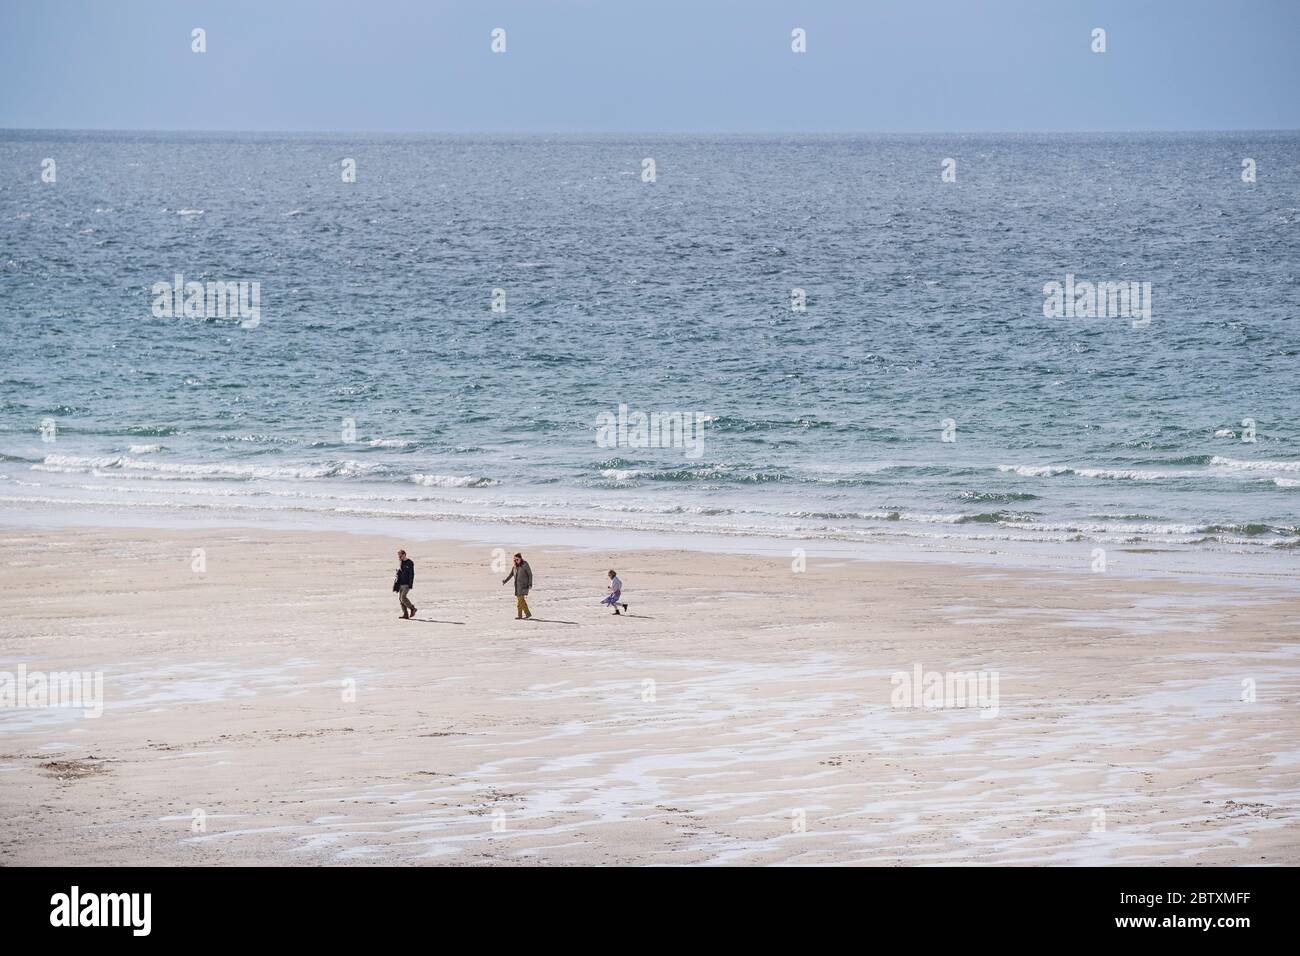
{"x": 924, "y": 303}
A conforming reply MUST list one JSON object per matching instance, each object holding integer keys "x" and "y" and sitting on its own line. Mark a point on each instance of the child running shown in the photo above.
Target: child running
{"x": 615, "y": 592}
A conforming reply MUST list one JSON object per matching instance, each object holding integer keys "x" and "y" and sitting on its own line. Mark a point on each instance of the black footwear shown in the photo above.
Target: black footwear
{"x": 616, "y": 614}
{"x": 625, "y": 607}
{"x": 413, "y": 611}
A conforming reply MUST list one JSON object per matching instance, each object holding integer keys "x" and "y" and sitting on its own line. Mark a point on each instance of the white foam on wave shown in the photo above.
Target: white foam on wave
{"x": 1035, "y": 471}
{"x": 123, "y": 463}
{"x": 918, "y": 517}
{"x": 143, "y": 449}
{"x": 913, "y": 516}
{"x": 1123, "y": 474}
{"x": 366, "y": 508}
{"x": 391, "y": 443}
{"x": 452, "y": 481}
{"x": 1237, "y": 463}
{"x": 1139, "y": 474}
{"x": 1082, "y": 527}
{"x": 1115, "y": 474}
{"x": 247, "y": 493}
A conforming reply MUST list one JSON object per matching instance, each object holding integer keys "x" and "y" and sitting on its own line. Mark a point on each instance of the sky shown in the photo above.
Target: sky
{"x": 650, "y": 66}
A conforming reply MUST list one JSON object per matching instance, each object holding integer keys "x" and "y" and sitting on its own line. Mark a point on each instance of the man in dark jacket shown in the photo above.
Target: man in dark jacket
{"x": 523, "y": 576}
{"x": 404, "y": 581}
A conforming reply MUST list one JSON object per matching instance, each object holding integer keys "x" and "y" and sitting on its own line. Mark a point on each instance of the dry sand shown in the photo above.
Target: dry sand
{"x": 274, "y": 709}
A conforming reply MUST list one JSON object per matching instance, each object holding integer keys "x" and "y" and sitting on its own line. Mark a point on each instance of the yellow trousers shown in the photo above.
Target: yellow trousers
{"x": 521, "y": 606}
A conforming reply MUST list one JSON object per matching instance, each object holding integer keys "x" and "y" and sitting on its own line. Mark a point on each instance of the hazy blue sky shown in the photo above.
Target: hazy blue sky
{"x": 652, "y": 66}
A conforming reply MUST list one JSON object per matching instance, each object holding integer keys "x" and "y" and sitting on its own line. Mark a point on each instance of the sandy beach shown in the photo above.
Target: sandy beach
{"x": 264, "y": 704}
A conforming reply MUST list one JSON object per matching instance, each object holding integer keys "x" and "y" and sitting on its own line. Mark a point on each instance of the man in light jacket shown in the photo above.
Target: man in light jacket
{"x": 523, "y": 576}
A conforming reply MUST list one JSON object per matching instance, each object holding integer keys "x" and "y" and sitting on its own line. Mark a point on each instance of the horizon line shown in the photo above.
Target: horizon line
{"x": 594, "y": 132}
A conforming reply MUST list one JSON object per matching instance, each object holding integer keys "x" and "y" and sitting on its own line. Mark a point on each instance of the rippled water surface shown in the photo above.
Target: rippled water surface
{"x": 924, "y": 304}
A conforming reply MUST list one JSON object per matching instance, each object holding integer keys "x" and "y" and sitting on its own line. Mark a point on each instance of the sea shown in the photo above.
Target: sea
{"x": 845, "y": 339}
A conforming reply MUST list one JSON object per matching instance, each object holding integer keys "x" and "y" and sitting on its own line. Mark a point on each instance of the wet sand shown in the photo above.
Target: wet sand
{"x": 272, "y": 708}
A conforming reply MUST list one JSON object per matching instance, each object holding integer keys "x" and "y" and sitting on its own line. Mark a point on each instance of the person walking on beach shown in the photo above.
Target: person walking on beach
{"x": 403, "y": 583}
{"x": 615, "y": 592}
{"x": 523, "y": 576}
